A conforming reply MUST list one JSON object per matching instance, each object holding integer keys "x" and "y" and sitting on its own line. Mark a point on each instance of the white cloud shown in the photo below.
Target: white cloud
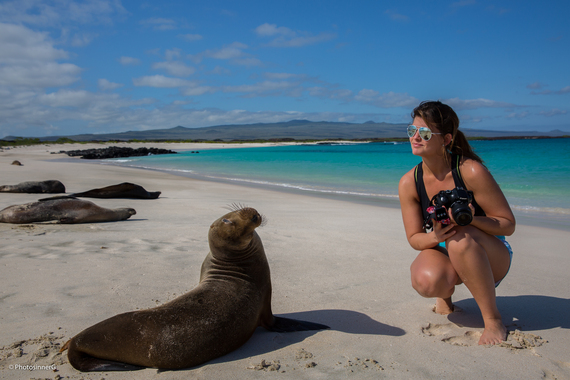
{"x": 536, "y": 86}
{"x": 161, "y": 81}
{"x": 247, "y": 61}
{"x": 105, "y": 85}
{"x": 553, "y": 112}
{"x": 54, "y": 13}
{"x": 471, "y": 104}
{"x": 155, "y": 51}
{"x": 171, "y": 54}
{"x": 327, "y": 93}
{"x": 262, "y": 88}
{"x": 286, "y": 37}
{"x": 20, "y": 43}
{"x": 386, "y": 100}
{"x": 540, "y": 86}
{"x": 219, "y": 70}
{"x": 159, "y": 23}
{"x": 234, "y": 53}
{"x": 129, "y": 61}
{"x": 175, "y": 68}
{"x": 67, "y": 98}
{"x": 80, "y": 40}
{"x": 302, "y": 40}
{"x": 196, "y": 90}
{"x": 280, "y": 75}
{"x": 394, "y": 15}
{"x": 518, "y": 115}
{"x": 233, "y": 50}
{"x": 272, "y": 29}
{"x": 39, "y": 74}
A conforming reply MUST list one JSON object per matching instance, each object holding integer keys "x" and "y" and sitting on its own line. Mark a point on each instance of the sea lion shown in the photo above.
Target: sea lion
{"x": 122, "y": 190}
{"x": 17, "y": 163}
{"x": 32, "y": 187}
{"x": 220, "y": 314}
{"x": 63, "y": 209}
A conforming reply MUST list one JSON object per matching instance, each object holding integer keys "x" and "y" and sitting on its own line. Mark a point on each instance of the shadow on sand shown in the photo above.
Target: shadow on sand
{"x": 346, "y": 321}
{"x": 526, "y": 312}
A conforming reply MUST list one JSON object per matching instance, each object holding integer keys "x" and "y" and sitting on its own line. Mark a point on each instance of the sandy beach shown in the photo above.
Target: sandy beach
{"x": 341, "y": 263}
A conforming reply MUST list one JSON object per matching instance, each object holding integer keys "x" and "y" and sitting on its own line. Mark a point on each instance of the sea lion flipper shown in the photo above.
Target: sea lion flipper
{"x": 57, "y": 197}
{"x": 281, "y": 324}
{"x": 65, "y": 346}
{"x": 87, "y": 363}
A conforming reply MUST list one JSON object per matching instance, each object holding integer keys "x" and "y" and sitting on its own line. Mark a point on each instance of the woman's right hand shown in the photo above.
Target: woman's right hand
{"x": 442, "y": 232}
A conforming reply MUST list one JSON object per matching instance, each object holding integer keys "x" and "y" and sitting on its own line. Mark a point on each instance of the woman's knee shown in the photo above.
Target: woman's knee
{"x": 424, "y": 283}
{"x": 464, "y": 240}
{"x": 431, "y": 281}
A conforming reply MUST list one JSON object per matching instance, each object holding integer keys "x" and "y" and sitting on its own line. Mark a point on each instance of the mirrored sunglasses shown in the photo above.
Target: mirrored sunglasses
{"x": 425, "y": 132}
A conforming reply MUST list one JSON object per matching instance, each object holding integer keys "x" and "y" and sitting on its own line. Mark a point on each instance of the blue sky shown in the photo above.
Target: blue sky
{"x": 99, "y": 66}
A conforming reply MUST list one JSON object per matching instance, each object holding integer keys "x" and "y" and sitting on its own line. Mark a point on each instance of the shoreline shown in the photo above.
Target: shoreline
{"x": 333, "y": 262}
{"x": 523, "y": 215}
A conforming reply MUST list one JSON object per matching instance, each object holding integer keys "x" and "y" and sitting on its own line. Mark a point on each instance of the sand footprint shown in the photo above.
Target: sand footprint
{"x": 470, "y": 338}
{"x": 456, "y": 335}
{"x": 452, "y": 334}
{"x": 437, "y": 329}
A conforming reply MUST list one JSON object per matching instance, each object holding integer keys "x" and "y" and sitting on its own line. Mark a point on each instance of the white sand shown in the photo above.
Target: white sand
{"x": 335, "y": 262}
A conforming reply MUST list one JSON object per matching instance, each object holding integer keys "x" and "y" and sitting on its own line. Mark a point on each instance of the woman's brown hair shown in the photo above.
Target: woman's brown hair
{"x": 443, "y": 118}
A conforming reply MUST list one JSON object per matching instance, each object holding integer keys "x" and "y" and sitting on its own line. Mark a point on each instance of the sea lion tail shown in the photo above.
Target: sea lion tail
{"x": 289, "y": 325}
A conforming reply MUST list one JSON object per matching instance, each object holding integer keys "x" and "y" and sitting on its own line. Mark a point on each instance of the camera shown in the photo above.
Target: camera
{"x": 458, "y": 201}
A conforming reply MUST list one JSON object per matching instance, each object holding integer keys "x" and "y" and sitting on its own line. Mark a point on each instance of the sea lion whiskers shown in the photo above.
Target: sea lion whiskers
{"x": 236, "y": 207}
{"x": 244, "y": 209}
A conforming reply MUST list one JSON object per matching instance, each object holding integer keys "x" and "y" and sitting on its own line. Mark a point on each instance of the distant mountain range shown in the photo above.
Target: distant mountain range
{"x": 294, "y": 129}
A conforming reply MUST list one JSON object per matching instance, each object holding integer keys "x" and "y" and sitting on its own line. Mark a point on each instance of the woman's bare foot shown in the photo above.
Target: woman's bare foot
{"x": 495, "y": 332}
{"x": 443, "y": 306}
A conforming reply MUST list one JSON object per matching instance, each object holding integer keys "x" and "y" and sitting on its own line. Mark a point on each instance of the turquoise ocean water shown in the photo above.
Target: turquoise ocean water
{"x": 533, "y": 174}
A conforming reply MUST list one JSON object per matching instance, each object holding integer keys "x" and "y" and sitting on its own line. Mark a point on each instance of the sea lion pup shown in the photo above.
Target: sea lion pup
{"x": 63, "y": 209}
{"x": 219, "y": 315}
{"x": 32, "y": 187}
{"x": 122, "y": 190}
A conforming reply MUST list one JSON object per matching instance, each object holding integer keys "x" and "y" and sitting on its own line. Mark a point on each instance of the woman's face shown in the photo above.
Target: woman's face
{"x": 420, "y": 147}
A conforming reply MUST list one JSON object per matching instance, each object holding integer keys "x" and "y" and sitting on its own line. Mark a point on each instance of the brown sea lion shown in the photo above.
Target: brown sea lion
{"x": 63, "y": 209}
{"x": 122, "y": 190}
{"x": 32, "y": 187}
{"x": 220, "y": 314}
{"x": 17, "y": 163}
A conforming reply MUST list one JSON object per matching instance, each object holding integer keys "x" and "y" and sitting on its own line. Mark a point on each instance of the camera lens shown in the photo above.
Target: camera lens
{"x": 463, "y": 218}
{"x": 461, "y": 213}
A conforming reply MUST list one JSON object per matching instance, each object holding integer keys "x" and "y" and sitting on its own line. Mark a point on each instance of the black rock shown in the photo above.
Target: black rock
{"x": 115, "y": 152}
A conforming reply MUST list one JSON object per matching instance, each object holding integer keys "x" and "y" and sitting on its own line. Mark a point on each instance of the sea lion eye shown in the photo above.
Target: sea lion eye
{"x": 227, "y": 221}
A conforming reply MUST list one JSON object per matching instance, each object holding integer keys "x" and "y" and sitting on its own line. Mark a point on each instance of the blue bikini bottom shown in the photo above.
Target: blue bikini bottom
{"x": 501, "y": 238}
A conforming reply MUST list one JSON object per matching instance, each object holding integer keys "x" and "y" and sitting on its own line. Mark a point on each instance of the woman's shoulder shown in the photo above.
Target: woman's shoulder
{"x": 472, "y": 168}
{"x": 409, "y": 176}
{"x": 408, "y": 181}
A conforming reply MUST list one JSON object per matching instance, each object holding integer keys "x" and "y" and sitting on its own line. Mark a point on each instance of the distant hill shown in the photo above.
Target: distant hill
{"x": 294, "y": 129}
